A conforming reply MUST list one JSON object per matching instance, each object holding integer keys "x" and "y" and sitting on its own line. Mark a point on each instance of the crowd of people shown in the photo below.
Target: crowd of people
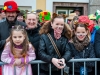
{"x": 41, "y": 35}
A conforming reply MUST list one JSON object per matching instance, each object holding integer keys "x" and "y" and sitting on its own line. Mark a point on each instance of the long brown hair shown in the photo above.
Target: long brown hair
{"x": 46, "y": 28}
{"x": 25, "y": 43}
{"x": 79, "y": 45}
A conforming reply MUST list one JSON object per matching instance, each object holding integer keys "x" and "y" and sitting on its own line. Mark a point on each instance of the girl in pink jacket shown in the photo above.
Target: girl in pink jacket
{"x": 18, "y": 52}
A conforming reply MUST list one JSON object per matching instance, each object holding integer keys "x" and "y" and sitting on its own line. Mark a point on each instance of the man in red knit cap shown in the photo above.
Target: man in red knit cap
{"x": 11, "y": 9}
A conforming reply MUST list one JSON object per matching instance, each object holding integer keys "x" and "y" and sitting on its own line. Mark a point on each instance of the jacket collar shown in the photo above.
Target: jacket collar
{"x": 34, "y": 30}
{"x": 10, "y": 24}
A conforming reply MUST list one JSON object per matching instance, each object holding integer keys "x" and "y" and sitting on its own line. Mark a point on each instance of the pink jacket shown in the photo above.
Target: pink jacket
{"x": 8, "y": 58}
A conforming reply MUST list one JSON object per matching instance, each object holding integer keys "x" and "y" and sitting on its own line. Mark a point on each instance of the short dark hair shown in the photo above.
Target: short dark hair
{"x": 77, "y": 9}
{"x": 38, "y": 10}
{"x": 20, "y": 14}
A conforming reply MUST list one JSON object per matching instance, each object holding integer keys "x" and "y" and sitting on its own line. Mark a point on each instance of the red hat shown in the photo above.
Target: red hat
{"x": 84, "y": 19}
{"x": 10, "y": 5}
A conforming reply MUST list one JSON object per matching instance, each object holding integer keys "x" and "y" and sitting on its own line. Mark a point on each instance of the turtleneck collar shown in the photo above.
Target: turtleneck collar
{"x": 18, "y": 46}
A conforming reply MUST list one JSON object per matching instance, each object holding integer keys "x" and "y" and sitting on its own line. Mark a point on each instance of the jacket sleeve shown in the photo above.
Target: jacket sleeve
{"x": 97, "y": 44}
{"x": 30, "y": 54}
{"x": 91, "y": 55}
{"x": 67, "y": 53}
{"x": 5, "y": 57}
{"x": 2, "y": 42}
{"x": 42, "y": 51}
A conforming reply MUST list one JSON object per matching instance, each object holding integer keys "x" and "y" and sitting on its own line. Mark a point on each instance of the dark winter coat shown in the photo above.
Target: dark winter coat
{"x": 47, "y": 52}
{"x": 34, "y": 37}
{"x": 88, "y": 52}
{"x": 97, "y": 43}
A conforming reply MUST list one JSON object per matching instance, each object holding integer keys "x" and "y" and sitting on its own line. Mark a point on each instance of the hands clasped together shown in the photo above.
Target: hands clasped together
{"x": 59, "y": 63}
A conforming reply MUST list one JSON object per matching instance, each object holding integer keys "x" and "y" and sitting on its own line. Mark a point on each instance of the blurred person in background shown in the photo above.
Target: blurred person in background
{"x": 77, "y": 11}
{"x": 37, "y": 13}
{"x": 20, "y": 17}
{"x": 70, "y": 18}
{"x": 2, "y": 15}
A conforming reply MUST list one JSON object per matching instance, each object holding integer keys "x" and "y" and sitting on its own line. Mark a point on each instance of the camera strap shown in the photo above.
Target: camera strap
{"x": 54, "y": 45}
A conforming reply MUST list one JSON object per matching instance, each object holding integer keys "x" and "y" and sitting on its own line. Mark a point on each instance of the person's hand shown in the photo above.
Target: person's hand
{"x": 55, "y": 62}
{"x": 21, "y": 65}
{"x": 17, "y": 62}
{"x": 62, "y": 63}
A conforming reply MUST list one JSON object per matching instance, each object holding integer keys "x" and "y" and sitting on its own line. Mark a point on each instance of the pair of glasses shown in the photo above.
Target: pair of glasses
{"x": 31, "y": 12}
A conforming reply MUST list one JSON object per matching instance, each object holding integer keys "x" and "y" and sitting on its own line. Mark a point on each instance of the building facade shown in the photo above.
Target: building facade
{"x": 58, "y": 6}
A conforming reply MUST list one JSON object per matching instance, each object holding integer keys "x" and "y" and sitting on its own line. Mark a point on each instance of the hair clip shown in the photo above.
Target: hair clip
{"x": 23, "y": 27}
{"x": 12, "y": 26}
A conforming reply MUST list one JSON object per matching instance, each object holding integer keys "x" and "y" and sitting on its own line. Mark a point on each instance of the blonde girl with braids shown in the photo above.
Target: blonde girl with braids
{"x": 61, "y": 33}
{"x": 82, "y": 48}
{"x": 18, "y": 52}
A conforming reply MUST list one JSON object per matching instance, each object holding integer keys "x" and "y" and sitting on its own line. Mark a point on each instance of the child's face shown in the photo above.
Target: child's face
{"x": 20, "y": 18}
{"x": 81, "y": 33}
{"x": 18, "y": 37}
{"x": 58, "y": 24}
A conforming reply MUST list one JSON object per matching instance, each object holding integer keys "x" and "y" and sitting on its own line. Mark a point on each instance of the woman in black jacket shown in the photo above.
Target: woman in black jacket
{"x": 60, "y": 32}
{"x": 82, "y": 48}
{"x": 32, "y": 28}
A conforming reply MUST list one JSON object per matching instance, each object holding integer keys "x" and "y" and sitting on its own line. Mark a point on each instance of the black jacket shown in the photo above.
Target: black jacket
{"x": 47, "y": 52}
{"x": 88, "y": 52}
{"x": 5, "y": 28}
{"x": 97, "y": 43}
{"x": 34, "y": 37}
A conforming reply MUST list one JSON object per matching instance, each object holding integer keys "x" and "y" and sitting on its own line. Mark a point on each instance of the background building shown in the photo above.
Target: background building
{"x": 58, "y": 6}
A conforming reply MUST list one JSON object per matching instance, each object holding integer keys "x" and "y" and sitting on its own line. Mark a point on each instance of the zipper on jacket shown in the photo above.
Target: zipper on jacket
{"x": 83, "y": 53}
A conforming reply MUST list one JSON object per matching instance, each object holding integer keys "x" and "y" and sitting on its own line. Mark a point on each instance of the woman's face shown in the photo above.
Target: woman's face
{"x": 81, "y": 33}
{"x": 58, "y": 24}
{"x": 31, "y": 21}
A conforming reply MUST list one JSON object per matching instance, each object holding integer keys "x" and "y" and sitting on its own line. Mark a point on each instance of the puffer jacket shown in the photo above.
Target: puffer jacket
{"x": 34, "y": 37}
{"x": 88, "y": 52}
{"x": 47, "y": 51}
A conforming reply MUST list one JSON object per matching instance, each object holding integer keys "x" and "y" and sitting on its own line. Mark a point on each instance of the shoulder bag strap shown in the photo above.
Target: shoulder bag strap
{"x": 54, "y": 45}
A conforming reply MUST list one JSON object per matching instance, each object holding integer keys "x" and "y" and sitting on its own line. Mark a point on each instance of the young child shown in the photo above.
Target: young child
{"x": 82, "y": 48}
{"x": 18, "y": 52}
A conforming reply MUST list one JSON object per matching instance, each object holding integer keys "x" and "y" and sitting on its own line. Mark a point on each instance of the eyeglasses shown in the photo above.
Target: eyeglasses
{"x": 29, "y": 12}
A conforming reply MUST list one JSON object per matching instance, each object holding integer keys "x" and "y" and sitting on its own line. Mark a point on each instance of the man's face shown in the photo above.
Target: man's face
{"x": 11, "y": 15}
{"x": 77, "y": 12}
{"x": 3, "y": 15}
